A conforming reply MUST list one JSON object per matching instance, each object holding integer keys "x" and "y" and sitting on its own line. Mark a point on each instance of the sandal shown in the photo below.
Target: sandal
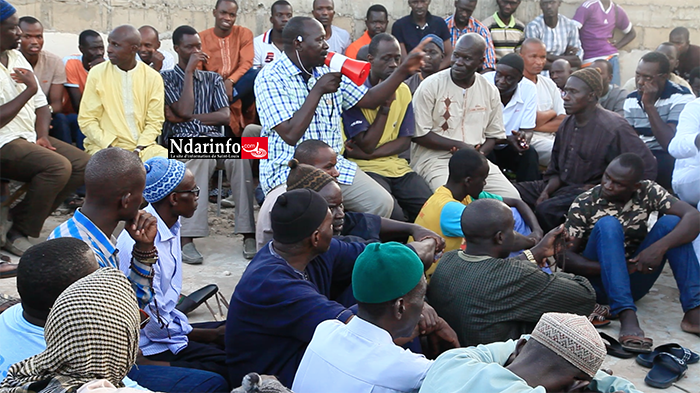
{"x": 8, "y": 269}
{"x": 636, "y": 344}
{"x": 685, "y": 354}
{"x": 667, "y": 370}
{"x": 600, "y": 316}
{"x": 614, "y": 348}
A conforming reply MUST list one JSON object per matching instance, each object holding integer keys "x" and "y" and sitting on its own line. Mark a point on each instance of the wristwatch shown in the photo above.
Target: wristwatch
{"x": 530, "y": 256}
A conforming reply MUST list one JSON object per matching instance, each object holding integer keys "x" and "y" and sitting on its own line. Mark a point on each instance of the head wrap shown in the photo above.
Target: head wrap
{"x": 162, "y": 177}
{"x": 6, "y": 10}
{"x": 385, "y": 271}
{"x": 513, "y": 60}
{"x": 435, "y": 40}
{"x": 573, "y": 338}
{"x": 591, "y": 77}
{"x": 296, "y": 215}
{"x": 306, "y": 176}
{"x": 92, "y": 332}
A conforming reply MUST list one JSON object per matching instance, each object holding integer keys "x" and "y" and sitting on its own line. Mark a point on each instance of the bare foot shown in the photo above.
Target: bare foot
{"x": 691, "y": 321}
{"x": 629, "y": 325}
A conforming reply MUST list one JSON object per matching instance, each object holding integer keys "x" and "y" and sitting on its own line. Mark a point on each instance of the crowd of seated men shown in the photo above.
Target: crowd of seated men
{"x": 463, "y": 219}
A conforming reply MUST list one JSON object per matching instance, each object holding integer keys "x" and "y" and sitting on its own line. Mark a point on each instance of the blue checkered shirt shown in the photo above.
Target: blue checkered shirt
{"x": 80, "y": 227}
{"x": 474, "y": 26}
{"x": 280, "y": 91}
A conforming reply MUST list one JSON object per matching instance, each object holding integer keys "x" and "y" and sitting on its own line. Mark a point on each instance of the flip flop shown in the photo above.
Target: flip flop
{"x": 8, "y": 273}
{"x": 636, "y": 344}
{"x": 614, "y": 348}
{"x": 667, "y": 370}
{"x": 685, "y": 354}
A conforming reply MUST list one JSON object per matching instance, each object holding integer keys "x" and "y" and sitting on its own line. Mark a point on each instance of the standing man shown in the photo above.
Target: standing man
{"x": 653, "y": 110}
{"x": 462, "y": 22}
{"x": 613, "y": 98}
{"x": 269, "y": 45}
{"x": 123, "y": 101}
{"x": 519, "y": 105}
{"x": 376, "y": 22}
{"x": 597, "y": 21}
{"x": 377, "y": 136}
{"x": 338, "y": 39}
{"x": 411, "y": 29}
{"x": 560, "y": 71}
{"x": 507, "y": 32}
{"x": 688, "y": 54}
{"x": 587, "y": 141}
{"x": 458, "y": 108}
{"x": 52, "y": 168}
{"x": 558, "y": 33}
{"x": 550, "y": 106}
{"x": 230, "y": 49}
{"x": 291, "y": 113}
{"x": 149, "y": 50}
{"x": 434, "y": 55}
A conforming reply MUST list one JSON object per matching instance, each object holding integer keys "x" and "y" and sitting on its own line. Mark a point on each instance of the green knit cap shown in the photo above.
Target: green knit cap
{"x": 385, "y": 271}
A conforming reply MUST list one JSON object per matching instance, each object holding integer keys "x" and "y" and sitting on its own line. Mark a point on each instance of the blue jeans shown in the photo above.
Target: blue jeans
{"x": 615, "y": 63}
{"x": 615, "y": 286}
{"x": 65, "y": 128}
{"x": 177, "y": 379}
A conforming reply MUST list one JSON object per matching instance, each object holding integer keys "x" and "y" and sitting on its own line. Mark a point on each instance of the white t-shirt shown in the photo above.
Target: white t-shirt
{"x": 265, "y": 51}
{"x": 339, "y": 41}
{"x": 549, "y": 96}
{"x": 359, "y": 357}
{"x": 521, "y": 110}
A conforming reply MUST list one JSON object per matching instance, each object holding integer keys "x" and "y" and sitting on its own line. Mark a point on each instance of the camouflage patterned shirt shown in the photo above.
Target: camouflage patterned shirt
{"x": 590, "y": 207}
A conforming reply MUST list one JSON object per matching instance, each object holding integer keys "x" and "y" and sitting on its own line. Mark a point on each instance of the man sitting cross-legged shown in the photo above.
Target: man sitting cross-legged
{"x": 564, "y": 354}
{"x": 168, "y": 339}
{"x": 52, "y": 266}
{"x": 458, "y": 108}
{"x": 622, "y": 259}
{"x": 490, "y": 297}
{"x": 52, "y": 169}
{"x": 291, "y": 286}
{"x": 468, "y": 174}
{"x": 363, "y": 355}
{"x": 114, "y": 183}
{"x": 376, "y": 137}
{"x": 587, "y": 140}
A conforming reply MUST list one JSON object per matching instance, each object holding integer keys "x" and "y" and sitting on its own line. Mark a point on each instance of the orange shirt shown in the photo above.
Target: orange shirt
{"x": 76, "y": 75}
{"x": 352, "y": 50}
{"x": 230, "y": 57}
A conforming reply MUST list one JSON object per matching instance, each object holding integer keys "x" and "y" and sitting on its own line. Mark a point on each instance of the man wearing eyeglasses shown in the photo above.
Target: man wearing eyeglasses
{"x": 653, "y": 110}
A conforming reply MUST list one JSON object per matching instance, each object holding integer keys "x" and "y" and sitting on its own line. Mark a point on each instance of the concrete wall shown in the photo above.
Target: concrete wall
{"x": 65, "y": 18}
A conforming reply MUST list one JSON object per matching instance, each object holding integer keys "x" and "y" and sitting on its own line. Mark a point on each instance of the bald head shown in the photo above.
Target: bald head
{"x": 483, "y": 218}
{"x": 532, "y": 44}
{"x": 123, "y": 43}
{"x": 560, "y": 72}
{"x": 471, "y": 41}
{"x": 670, "y": 51}
{"x": 112, "y": 173}
{"x": 126, "y": 33}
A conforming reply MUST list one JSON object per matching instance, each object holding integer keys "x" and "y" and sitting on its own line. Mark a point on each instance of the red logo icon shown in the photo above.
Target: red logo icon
{"x": 253, "y": 148}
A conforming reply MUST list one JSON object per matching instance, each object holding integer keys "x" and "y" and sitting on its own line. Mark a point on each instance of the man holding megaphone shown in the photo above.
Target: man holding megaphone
{"x": 299, "y": 98}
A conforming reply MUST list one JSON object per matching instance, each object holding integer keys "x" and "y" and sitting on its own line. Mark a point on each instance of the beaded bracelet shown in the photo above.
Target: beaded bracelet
{"x": 136, "y": 270}
{"x": 144, "y": 254}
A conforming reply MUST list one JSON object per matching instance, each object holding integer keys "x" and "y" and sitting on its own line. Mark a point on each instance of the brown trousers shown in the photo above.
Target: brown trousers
{"x": 52, "y": 177}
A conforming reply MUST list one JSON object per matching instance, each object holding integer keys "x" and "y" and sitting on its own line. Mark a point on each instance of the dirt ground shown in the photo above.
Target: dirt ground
{"x": 659, "y": 312}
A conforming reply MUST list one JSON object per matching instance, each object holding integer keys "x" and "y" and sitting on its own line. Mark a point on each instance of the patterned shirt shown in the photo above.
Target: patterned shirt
{"x": 669, "y": 105}
{"x": 474, "y": 26}
{"x": 590, "y": 207}
{"x": 487, "y": 299}
{"x": 557, "y": 39}
{"x": 280, "y": 90}
{"x": 80, "y": 227}
{"x": 506, "y": 37}
{"x": 209, "y": 96}
{"x": 581, "y": 154}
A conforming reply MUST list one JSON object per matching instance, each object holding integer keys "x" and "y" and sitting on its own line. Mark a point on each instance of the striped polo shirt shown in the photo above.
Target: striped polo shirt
{"x": 669, "y": 105}
{"x": 506, "y": 37}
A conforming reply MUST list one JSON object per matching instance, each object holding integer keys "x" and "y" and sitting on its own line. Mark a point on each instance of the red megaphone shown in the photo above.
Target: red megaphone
{"x": 356, "y": 70}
